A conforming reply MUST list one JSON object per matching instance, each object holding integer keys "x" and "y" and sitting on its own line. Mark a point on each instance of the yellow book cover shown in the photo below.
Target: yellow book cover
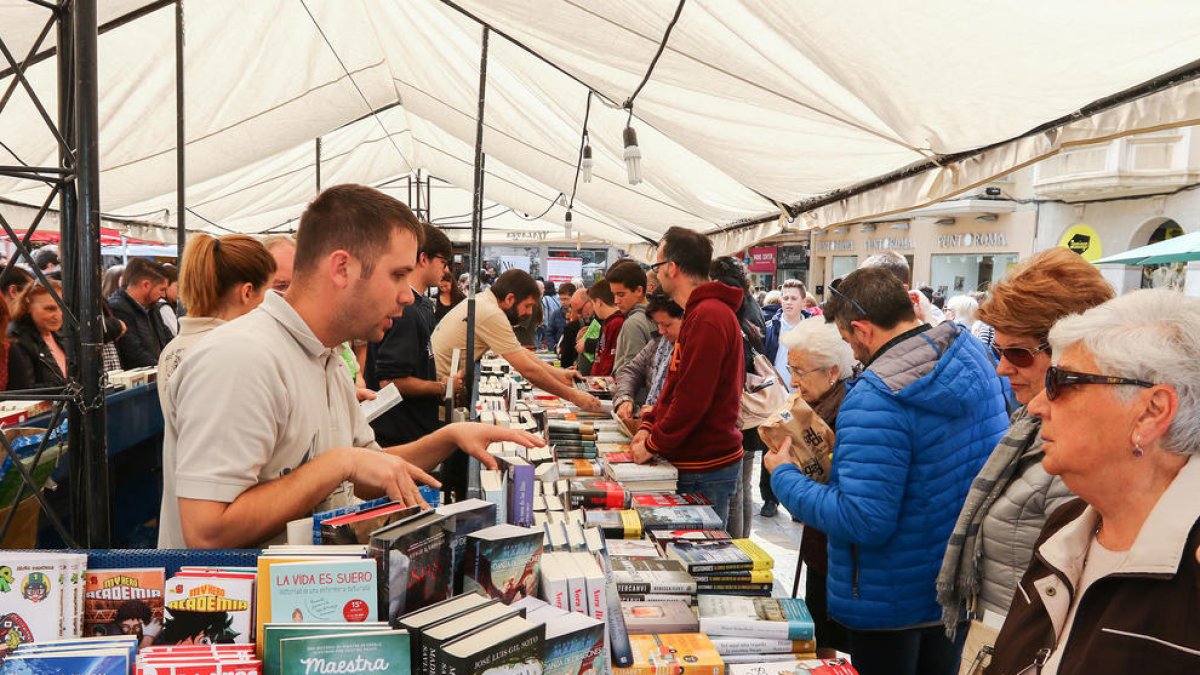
{"x": 632, "y": 523}
{"x": 747, "y": 577}
{"x": 673, "y": 654}
{"x": 762, "y": 560}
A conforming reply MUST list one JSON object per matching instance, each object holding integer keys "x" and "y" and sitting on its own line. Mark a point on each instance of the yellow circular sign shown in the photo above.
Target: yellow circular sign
{"x": 1083, "y": 240}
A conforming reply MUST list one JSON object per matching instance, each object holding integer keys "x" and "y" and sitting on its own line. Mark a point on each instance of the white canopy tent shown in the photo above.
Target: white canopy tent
{"x": 755, "y": 107}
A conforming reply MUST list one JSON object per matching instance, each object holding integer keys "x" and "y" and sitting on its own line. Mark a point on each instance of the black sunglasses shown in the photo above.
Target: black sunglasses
{"x": 1057, "y": 378}
{"x": 833, "y": 289}
{"x": 1021, "y": 357}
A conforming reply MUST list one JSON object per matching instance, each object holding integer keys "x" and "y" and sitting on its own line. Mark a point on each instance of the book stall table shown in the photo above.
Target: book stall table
{"x": 571, "y": 560}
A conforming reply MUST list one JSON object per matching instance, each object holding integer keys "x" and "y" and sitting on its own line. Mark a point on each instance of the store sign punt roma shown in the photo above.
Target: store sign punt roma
{"x": 972, "y": 239}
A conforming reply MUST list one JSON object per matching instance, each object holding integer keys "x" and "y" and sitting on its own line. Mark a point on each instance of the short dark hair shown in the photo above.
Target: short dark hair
{"x": 141, "y": 269}
{"x": 567, "y": 288}
{"x": 892, "y": 261}
{"x": 14, "y": 276}
{"x": 434, "y": 242}
{"x": 795, "y": 283}
{"x": 728, "y": 270}
{"x": 548, "y": 287}
{"x": 169, "y": 271}
{"x": 660, "y": 302}
{"x": 691, "y": 251}
{"x": 517, "y": 282}
{"x": 872, "y": 294}
{"x": 627, "y": 273}
{"x": 602, "y": 292}
{"x": 354, "y": 218}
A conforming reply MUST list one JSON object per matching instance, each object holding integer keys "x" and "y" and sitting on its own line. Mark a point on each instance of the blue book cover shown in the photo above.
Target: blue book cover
{"x": 503, "y": 562}
{"x": 326, "y": 591}
{"x": 520, "y": 495}
{"x": 85, "y": 662}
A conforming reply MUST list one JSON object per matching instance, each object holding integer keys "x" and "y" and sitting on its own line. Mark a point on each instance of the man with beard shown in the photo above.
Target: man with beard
{"x": 497, "y": 310}
{"x": 265, "y": 425}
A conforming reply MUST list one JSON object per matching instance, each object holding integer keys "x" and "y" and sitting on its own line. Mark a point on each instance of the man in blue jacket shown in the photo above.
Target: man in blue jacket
{"x": 913, "y": 431}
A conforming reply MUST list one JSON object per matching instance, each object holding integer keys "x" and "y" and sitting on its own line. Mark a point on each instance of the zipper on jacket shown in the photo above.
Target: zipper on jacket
{"x": 854, "y": 571}
{"x": 1040, "y": 659}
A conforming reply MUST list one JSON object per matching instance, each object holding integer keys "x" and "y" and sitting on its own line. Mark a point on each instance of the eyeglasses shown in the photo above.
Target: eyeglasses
{"x": 1057, "y": 378}
{"x": 833, "y": 289}
{"x": 1021, "y": 357}
{"x": 654, "y": 267}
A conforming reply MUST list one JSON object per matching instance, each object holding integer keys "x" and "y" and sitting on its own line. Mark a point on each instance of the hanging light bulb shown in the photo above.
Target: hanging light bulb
{"x": 633, "y": 157}
{"x": 585, "y": 166}
{"x": 562, "y": 200}
{"x": 567, "y": 225}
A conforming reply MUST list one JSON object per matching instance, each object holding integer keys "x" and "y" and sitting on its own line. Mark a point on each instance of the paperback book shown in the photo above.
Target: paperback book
{"x": 624, "y": 524}
{"x": 356, "y": 528}
{"x": 679, "y": 517}
{"x": 770, "y": 618}
{"x": 513, "y": 645}
{"x": 601, "y": 494}
{"x": 645, "y": 575}
{"x": 325, "y": 591}
{"x": 118, "y": 600}
{"x": 690, "y": 653}
{"x": 415, "y": 562}
{"x": 502, "y": 562}
{"x": 574, "y": 645}
{"x": 470, "y": 515}
{"x": 208, "y": 609}
{"x": 719, "y": 556}
{"x": 669, "y": 616}
{"x": 358, "y": 652}
{"x": 273, "y": 633}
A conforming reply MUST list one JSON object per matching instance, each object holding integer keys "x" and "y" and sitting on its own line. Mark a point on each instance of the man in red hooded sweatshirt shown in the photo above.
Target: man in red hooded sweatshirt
{"x": 694, "y": 424}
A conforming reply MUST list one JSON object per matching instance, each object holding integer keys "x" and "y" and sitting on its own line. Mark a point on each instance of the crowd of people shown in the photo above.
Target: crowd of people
{"x": 1011, "y": 476}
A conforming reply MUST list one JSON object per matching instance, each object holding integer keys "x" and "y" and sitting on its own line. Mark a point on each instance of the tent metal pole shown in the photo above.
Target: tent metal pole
{"x": 94, "y": 531}
{"x": 180, "y": 143}
{"x": 417, "y": 203}
{"x": 476, "y": 224}
{"x": 70, "y": 240}
{"x": 318, "y": 164}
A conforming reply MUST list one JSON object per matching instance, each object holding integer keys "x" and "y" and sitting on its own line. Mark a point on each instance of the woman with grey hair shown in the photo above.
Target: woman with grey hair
{"x": 961, "y": 308}
{"x": 820, "y": 362}
{"x": 1115, "y": 584}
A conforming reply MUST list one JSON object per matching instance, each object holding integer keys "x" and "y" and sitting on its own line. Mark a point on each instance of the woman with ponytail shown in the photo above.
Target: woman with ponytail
{"x": 220, "y": 279}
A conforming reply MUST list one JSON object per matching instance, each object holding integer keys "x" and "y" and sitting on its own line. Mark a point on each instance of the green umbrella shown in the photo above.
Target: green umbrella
{"x": 1177, "y": 249}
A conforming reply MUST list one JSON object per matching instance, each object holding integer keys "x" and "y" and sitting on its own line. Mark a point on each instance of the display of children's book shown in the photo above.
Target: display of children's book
{"x": 41, "y": 596}
{"x": 502, "y": 562}
{"x": 124, "y": 602}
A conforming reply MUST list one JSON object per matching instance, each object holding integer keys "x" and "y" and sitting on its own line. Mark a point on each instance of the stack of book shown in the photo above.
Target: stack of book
{"x": 652, "y": 579}
{"x": 598, "y": 386}
{"x": 470, "y": 635}
{"x": 657, "y": 475}
{"x": 690, "y": 653}
{"x": 691, "y": 517}
{"x": 207, "y": 604}
{"x": 44, "y": 596}
{"x": 725, "y": 566}
{"x": 573, "y": 581}
{"x": 574, "y": 642}
{"x": 115, "y": 655}
{"x": 793, "y": 667}
{"x": 778, "y": 626}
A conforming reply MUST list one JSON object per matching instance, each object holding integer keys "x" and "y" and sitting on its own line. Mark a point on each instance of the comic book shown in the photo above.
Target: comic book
{"x": 123, "y": 601}
{"x": 208, "y": 609}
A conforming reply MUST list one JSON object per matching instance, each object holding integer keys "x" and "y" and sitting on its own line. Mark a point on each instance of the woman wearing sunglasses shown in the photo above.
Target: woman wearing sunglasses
{"x": 1013, "y": 495}
{"x": 1114, "y": 586}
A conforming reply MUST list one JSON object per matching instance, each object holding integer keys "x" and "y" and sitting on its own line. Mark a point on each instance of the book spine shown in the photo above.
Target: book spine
{"x": 735, "y": 627}
{"x": 657, "y": 597}
{"x": 710, "y": 568}
{"x": 520, "y": 494}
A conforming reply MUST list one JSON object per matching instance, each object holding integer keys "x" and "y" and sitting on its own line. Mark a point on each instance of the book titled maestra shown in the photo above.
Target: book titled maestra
{"x": 370, "y": 652}
{"x": 325, "y": 591}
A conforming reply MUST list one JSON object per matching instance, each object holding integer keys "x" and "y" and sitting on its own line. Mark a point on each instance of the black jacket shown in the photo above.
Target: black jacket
{"x": 145, "y": 334}
{"x": 30, "y": 363}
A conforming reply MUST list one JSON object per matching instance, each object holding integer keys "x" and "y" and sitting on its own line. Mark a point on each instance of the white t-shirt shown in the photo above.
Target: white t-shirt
{"x": 191, "y": 329}
{"x": 492, "y": 331}
{"x": 255, "y": 399}
{"x": 1100, "y": 563}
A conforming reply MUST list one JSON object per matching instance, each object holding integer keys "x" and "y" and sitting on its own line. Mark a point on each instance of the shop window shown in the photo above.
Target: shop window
{"x": 595, "y": 261}
{"x": 1167, "y": 275}
{"x": 959, "y": 274}
{"x": 843, "y": 265}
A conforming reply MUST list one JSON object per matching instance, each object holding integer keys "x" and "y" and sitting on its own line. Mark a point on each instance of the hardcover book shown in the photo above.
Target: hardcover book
{"x": 647, "y": 618}
{"x": 574, "y": 645}
{"x": 502, "y": 562}
{"x": 427, "y": 649}
{"x": 572, "y": 468}
{"x": 643, "y": 575}
{"x": 359, "y": 652}
{"x": 690, "y": 653}
{"x": 470, "y": 515}
{"x": 324, "y": 592}
{"x": 208, "y": 609}
{"x": 513, "y": 645}
{"x": 669, "y": 499}
{"x": 415, "y": 561}
{"x": 771, "y": 618}
{"x": 356, "y": 528}
{"x": 416, "y": 622}
{"x": 117, "y": 599}
{"x": 601, "y": 494}
{"x": 679, "y": 518}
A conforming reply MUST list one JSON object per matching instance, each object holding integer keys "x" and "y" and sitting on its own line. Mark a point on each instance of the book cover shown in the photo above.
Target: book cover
{"x": 632, "y": 548}
{"x": 762, "y": 646}
{"x": 417, "y": 621}
{"x": 601, "y": 494}
{"x": 663, "y": 537}
{"x": 794, "y": 667}
{"x": 123, "y": 601}
{"x": 31, "y": 599}
{"x": 502, "y": 562}
{"x": 621, "y": 467}
{"x": 273, "y": 633}
{"x": 679, "y": 517}
{"x": 521, "y": 480}
{"x": 356, "y": 528}
{"x": 470, "y": 515}
{"x": 370, "y": 652}
{"x": 690, "y": 653}
{"x": 326, "y": 591}
{"x": 415, "y": 563}
{"x": 574, "y": 645}
{"x": 321, "y": 517}
{"x": 772, "y": 618}
{"x": 510, "y": 646}
{"x": 669, "y": 499}
{"x": 427, "y": 649}
{"x": 89, "y": 661}
{"x": 670, "y": 616}
{"x": 713, "y": 557}
{"x": 207, "y": 610}
{"x": 645, "y": 575}
{"x": 690, "y": 600}
{"x": 736, "y": 577}
{"x": 623, "y": 524}
{"x": 573, "y": 468}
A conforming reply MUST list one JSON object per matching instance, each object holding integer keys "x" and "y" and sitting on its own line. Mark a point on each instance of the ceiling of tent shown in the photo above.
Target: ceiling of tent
{"x": 754, "y": 103}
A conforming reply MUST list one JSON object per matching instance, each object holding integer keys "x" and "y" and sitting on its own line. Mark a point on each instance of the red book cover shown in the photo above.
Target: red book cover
{"x": 669, "y": 499}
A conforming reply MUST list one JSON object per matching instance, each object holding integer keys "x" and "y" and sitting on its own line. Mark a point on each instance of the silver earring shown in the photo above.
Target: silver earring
{"x": 1137, "y": 447}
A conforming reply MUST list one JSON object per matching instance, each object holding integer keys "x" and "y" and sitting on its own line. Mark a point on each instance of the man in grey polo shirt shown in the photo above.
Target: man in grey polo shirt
{"x": 265, "y": 424}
